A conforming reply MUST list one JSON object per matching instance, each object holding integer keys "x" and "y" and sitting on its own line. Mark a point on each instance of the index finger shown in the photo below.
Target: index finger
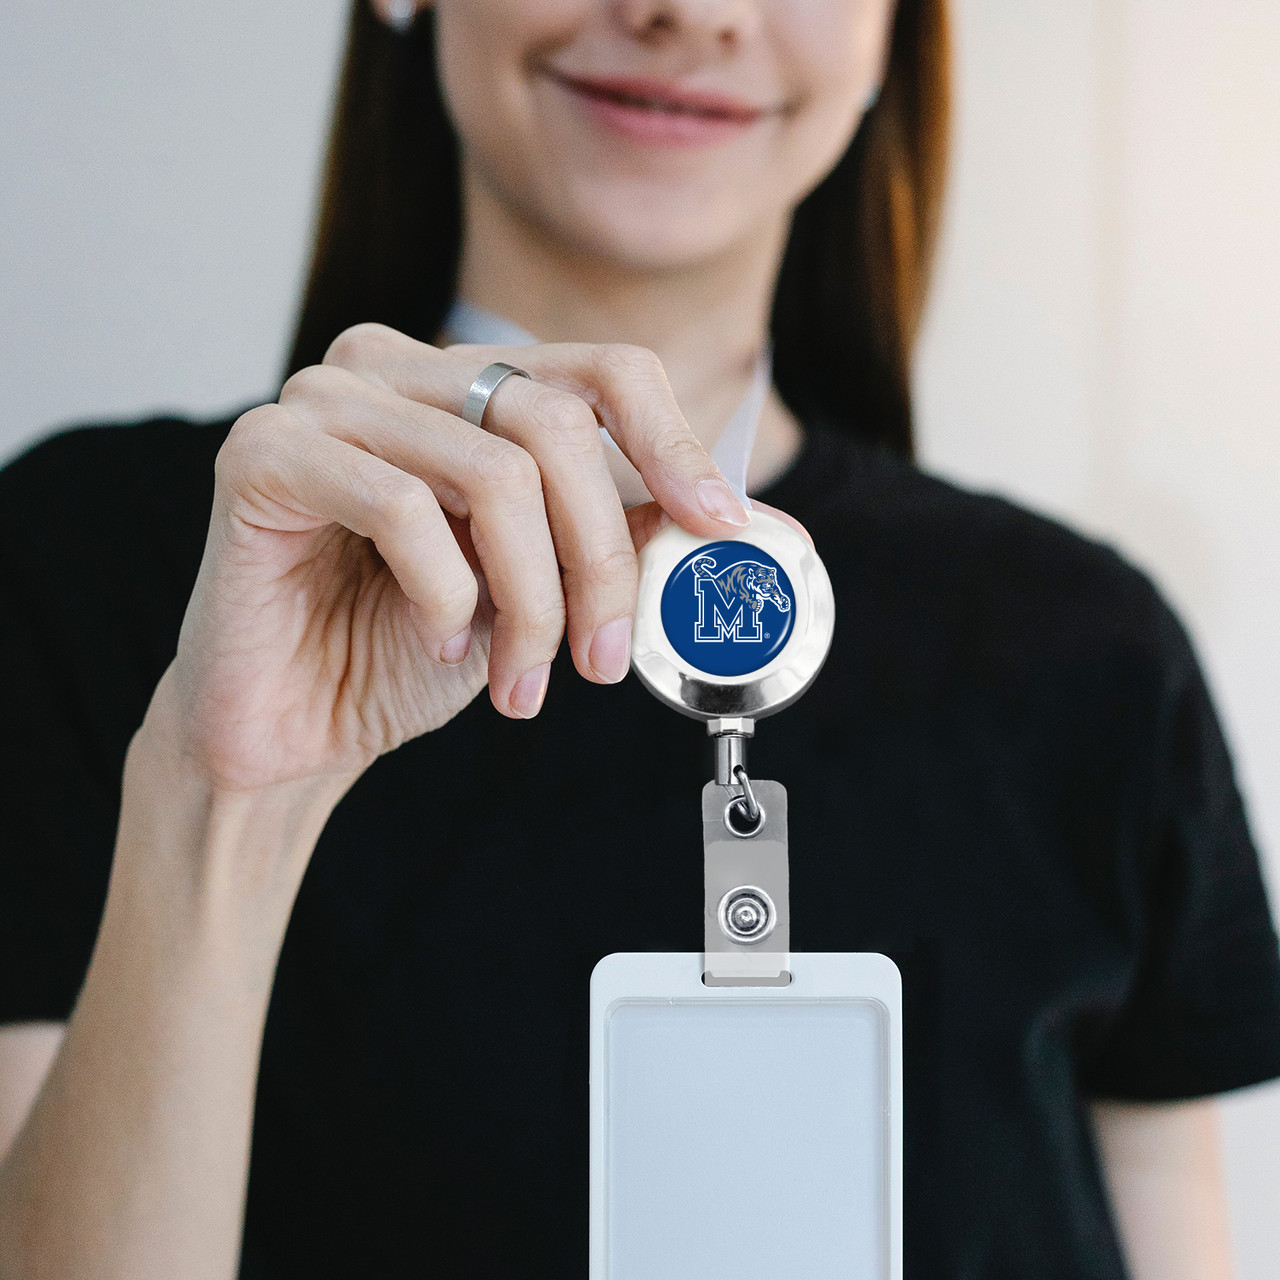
{"x": 625, "y": 385}
{"x": 627, "y": 388}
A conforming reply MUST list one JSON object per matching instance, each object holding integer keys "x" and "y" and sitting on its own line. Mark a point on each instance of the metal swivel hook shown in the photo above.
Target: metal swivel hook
{"x": 748, "y": 796}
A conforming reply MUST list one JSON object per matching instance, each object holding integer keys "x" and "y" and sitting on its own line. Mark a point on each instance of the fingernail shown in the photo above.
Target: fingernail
{"x": 718, "y": 501}
{"x": 531, "y": 688}
{"x": 400, "y": 15}
{"x": 611, "y": 650}
{"x": 453, "y": 651}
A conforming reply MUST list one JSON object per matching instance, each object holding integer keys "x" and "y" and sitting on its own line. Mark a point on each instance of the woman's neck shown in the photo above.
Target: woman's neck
{"x": 706, "y": 322}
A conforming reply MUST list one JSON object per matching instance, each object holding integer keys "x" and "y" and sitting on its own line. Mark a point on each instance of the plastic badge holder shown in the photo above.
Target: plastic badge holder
{"x": 745, "y": 1133}
{"x": 746, "y": 1100}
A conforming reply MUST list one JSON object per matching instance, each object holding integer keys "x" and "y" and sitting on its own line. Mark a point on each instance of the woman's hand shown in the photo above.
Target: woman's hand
{"x": 373, "y": 560}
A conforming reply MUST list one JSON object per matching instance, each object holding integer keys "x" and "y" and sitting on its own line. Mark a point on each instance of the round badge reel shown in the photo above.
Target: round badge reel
{"x": 733, "y": 629}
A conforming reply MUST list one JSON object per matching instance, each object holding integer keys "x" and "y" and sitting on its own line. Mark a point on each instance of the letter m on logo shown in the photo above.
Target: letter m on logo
{"x": 718, "y": 620}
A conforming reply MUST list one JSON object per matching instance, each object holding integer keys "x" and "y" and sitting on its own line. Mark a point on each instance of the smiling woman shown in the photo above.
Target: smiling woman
{"x": 862, "y": 195}
{"x": 318, "y": 918}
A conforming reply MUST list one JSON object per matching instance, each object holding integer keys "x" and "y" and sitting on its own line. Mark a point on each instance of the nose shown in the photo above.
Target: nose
{"x": 723, "y": 25}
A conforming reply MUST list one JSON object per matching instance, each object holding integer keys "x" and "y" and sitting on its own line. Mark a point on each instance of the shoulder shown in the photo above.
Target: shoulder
{"x": 989, "y": 584}
{"x": 102, "y": 527}
{"x": 112, "y": 487}
{"x": 101, "y": 463}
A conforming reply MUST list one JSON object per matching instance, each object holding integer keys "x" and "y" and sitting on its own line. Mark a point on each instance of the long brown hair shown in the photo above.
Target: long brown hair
{"x": 853, "y": 280}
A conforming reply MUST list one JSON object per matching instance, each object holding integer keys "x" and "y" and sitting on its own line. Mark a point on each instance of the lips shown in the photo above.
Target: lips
{"x": 660, "y": 114}
{"x": 659, "y": 96}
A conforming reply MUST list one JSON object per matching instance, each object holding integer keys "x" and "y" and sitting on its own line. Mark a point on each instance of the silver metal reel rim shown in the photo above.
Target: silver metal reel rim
{"x": 700, "y": 695}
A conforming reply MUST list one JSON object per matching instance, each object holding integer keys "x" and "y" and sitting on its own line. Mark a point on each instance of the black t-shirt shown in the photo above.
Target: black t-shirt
{"x": 1008, "y": 777}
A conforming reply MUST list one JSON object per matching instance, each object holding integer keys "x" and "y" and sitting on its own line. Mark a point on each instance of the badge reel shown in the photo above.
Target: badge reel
{"x": 746, "y": 1106}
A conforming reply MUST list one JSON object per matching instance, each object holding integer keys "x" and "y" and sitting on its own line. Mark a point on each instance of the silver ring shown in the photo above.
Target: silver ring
{"x": 484, "y": 386}
{"x": 757, "y": 823}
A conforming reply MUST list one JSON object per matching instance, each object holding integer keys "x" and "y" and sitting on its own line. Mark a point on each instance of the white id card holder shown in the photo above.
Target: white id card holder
{"x": 746, "y": 1100}
{"x": 745, "y": 1133}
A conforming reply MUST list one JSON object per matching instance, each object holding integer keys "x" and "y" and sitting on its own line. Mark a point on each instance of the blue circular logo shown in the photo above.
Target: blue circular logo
{"x": 728, "y": 608}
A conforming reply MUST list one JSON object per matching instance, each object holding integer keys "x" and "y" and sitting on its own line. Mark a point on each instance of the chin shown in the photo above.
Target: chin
{"x": 649, "y": 233}
{"x": 648, "y": 248}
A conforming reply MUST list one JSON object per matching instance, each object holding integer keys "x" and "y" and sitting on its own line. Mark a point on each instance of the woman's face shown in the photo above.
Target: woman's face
{"x": 644, "y": 188}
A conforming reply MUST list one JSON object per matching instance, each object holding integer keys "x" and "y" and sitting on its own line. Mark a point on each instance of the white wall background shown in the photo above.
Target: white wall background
{"x": 1104, "y": 344}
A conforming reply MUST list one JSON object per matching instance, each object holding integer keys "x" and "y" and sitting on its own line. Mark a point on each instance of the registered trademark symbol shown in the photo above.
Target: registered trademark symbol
{"x": 767, "y": 636}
